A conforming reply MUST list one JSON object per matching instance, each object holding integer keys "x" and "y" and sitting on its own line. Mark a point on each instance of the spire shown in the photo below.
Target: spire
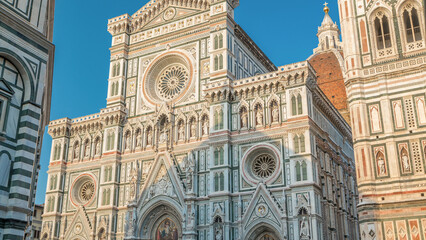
{"x": 328, "y": 33}
{"x": 327, "y": 19}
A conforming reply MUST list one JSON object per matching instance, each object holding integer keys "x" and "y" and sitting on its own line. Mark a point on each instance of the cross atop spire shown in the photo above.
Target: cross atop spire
{"x": 326, "y": 9}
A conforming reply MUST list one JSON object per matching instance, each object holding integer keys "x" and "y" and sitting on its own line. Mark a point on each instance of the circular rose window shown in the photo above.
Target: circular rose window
{"x": 263, "y": 166}
{"x": 168, "y": 78}
{"x": 172, "y": 81}
{"x": 261, "y": 163}
{"x": 83, "y": 190}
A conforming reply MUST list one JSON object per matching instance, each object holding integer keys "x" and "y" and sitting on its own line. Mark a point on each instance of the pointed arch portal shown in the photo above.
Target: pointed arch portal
{"x": 263, "y": 232}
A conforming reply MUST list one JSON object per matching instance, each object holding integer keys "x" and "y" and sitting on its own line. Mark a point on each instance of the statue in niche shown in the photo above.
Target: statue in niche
{"x": 137, "y": 140}
{"x": 86, "y": 149}
{"x": 405, "y": 161}
{"x": 98, "y": 147}
{"x": 128, "y": 141}
{"x": 193, "y": 129}
{"x": 244, "y": 119}
{"x": 181, "y": 131}
{"x": 259, "y": 116}
{"x": 163, "y": 136}
{"x": 149, "y": 137}
{"x": 275, "y": 113}
{"x": 304, "y": 230}
{"x": 206, "y": 127}
{"x": 381, "y": 163}
{"x": 133, "y": 182}
{"x": 76, "y": 151}
{"x": 189, "y": 169}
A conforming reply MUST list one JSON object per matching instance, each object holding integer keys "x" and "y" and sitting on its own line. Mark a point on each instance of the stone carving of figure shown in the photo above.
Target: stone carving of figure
{"x": 98, "y": 147}
{"x": 163, "y": 136}
{"x": 137, "y": 141}
{"x": 405, "y": 162}
{"x": 133, "y": 182}
{"x": 244, "y": 119}
{"x": 381, "y": 163}
{"x": 181, "y": 132}
{"x": 149, "y": 138}
{"x": 218, "y": 233}
{"x": 275, "y": 114}
{"x": 128, "y": 141}
{"x": 86, "y": 150}
{"x": 206, "y": 127}
{"x": 304, "y": 230}
{"x": 76, "y": 151}
{"x": 259, "y": 117}
{"x": 189, "y": 169}
{"x": 193, "y": 129}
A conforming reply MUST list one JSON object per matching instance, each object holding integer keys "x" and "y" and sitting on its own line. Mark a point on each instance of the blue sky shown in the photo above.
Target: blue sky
{"x": 284, "y": 30}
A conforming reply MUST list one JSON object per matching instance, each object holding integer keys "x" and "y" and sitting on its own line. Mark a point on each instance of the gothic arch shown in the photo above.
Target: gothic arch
{"x": 24, "y": 70}
{"x": 155, "y": 213}
{"x": 259, "y": 230}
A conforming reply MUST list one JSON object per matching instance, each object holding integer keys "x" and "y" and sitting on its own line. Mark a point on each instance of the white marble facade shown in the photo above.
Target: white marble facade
{"x": 202, "y": 138}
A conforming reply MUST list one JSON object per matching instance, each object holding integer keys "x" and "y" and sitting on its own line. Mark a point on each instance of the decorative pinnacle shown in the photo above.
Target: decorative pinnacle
{"x": 326, "y": 9}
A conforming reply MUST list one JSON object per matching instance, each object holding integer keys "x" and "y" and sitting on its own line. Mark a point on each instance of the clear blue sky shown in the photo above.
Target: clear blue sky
{"x": 284, "y": 30}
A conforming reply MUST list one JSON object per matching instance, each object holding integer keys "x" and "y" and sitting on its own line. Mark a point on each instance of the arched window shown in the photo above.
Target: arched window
{"x": 299, "y": 105}
{"x": 222, "y": 181}
{"x": 327, "y": 44}
{"x": 296, "y": 144}
{"x": 220, "y": 61}
{"x": 304, "y": 171}
{"x": 298, "y": 172}
{"x": 216, "y": 42}
{"x": 105, "y": 174}
{"x": 5, "y": 162}
{"x": 382, "y": 30}
{"x": 104, "y": 197}
{"x": 216, "y": 63}
{"x": 116, "y": 88}
{"x": 110, "y": 174}
{"x": 218, "y": 119}
{"x": 216, "y": 182}
{"x": 221, "y": 157}
{"x": 412, "y": 25}
{"x": 293, "y": 106}
{"x": 118, "y": 69}
{"x": 221, "y": 41}
{"x": 110, "y": 141}
{"x": 302, "y": 143}
{"x": 113, "y": 70}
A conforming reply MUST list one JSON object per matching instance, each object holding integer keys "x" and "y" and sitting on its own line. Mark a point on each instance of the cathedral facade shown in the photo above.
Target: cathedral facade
{"x": 26, "y": 71}
{"x": 385, "y": 60}
{"x": 202, "y": 137}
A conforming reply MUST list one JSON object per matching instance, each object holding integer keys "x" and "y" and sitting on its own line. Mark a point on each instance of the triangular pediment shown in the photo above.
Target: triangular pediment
{"x": 156, "y": 12}
{"x": 163, "y": 181}
{"x": 80, "y": 226}
{"x": 169, "y": 15}
{"x": 262, "y": 209}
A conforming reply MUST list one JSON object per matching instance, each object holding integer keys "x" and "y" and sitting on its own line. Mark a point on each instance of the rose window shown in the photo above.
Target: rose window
{"x": 86, "y": 191}
{"x": 264, "y": 166}
{"x": 83, "y": 190}
{"x": 172, "y": 81}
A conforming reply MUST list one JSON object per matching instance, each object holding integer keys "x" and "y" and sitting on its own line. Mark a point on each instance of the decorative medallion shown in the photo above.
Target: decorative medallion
{"x": 262, "y": 210}
{"x": 78, "y": 228}
{"x": 172, "y": 81}
{"x": 169, "y": 14}
{"x": 264, "y": 166}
